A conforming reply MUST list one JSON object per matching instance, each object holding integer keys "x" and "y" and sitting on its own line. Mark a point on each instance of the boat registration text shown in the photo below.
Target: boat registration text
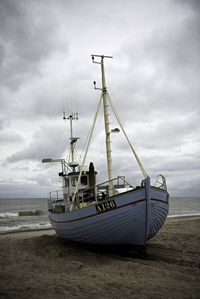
{"x": 105, "y": 206}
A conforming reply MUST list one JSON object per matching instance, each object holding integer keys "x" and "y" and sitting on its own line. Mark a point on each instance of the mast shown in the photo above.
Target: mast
{"x": 106, "y": 97}
{"x": 106, "y": 120}
{"x": 73, "y": 140}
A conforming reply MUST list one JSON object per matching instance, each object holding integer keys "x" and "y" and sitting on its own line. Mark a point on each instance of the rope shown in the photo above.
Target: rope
{"x": 120, "y": 123}
{"x": 85, "y": 144}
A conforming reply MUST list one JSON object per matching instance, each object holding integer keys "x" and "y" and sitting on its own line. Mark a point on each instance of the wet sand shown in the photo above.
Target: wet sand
{"x": 41, "y": 265}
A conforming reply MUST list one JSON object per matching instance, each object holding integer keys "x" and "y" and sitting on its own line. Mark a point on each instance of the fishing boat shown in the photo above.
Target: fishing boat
{"x": 114, "y": 211}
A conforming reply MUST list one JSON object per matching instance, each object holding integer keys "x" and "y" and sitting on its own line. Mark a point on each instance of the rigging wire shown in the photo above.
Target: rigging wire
{"x": 86, "y": 140}
{"x": 120, "y": 123}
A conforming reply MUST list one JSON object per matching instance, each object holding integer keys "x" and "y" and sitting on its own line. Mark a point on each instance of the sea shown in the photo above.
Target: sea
{"x": 27, "y": 214}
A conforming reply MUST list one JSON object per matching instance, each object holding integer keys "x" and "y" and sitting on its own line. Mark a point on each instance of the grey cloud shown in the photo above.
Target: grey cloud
{"x": 172, "y": 132}
{"x": 175, "y": 163}
{"x": 10, "y": 137}
{"x": 47, "y": 142}
{"x": 1, "y": 124}
{"x": 44, "y": 180}
{"x": 179, "y": 46}
{"x": 4, "y": 123}
{"x": 26, "y": 189}
{"x": 193, "y": 4}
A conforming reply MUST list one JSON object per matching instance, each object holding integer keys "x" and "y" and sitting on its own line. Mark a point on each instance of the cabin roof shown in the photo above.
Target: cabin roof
{"x": 78, "y": 172}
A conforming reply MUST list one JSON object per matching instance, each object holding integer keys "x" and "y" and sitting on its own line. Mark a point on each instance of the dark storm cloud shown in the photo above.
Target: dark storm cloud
{"x": 26, "y": 40}
{"x": 179, "y": 46}
{"x": 164, "y": 68}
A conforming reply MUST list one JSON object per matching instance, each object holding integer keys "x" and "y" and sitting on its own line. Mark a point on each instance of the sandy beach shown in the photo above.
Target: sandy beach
{"x": 41, "y": 265}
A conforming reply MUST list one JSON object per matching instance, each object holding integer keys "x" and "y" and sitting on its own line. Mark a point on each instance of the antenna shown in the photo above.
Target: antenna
{"x": 101, "y": 57}
{"x": 94, "y": 82}
{"x": 71, "y": 117}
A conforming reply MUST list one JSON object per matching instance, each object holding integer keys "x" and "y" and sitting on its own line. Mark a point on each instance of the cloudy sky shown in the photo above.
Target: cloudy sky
{"x": 153, "y": 81}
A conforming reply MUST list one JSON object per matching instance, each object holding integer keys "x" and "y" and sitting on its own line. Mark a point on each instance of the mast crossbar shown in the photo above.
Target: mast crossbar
{"x": 102, "y": 56}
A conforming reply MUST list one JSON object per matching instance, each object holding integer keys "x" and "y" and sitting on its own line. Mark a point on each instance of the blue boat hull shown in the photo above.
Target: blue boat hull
{"x": 134, "y": 218}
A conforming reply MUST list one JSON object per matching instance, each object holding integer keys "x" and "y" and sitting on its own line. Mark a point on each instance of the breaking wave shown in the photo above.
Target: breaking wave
{"x": 28, "y": 227}
{"x": 8, "y": 215}
{"x": 22, "y": 213}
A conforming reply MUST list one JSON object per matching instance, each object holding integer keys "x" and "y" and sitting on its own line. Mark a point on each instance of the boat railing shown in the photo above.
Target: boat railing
{"x": 161, "y": 182}
{"x": 100, "y": 192}
{"x": 119, "y": 185}
{"x": 90, "y": 195}
{"x": 55, "y": 197}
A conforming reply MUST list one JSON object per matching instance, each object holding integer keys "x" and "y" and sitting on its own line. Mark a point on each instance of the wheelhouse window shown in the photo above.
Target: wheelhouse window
{"x": 84, "y": 180}
{"x": 74, "y": 181}
{"x": 66, "y": 182}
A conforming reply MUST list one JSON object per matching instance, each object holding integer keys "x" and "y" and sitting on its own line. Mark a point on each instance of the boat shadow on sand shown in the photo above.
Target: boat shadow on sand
{"x": 55, "y": 247}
